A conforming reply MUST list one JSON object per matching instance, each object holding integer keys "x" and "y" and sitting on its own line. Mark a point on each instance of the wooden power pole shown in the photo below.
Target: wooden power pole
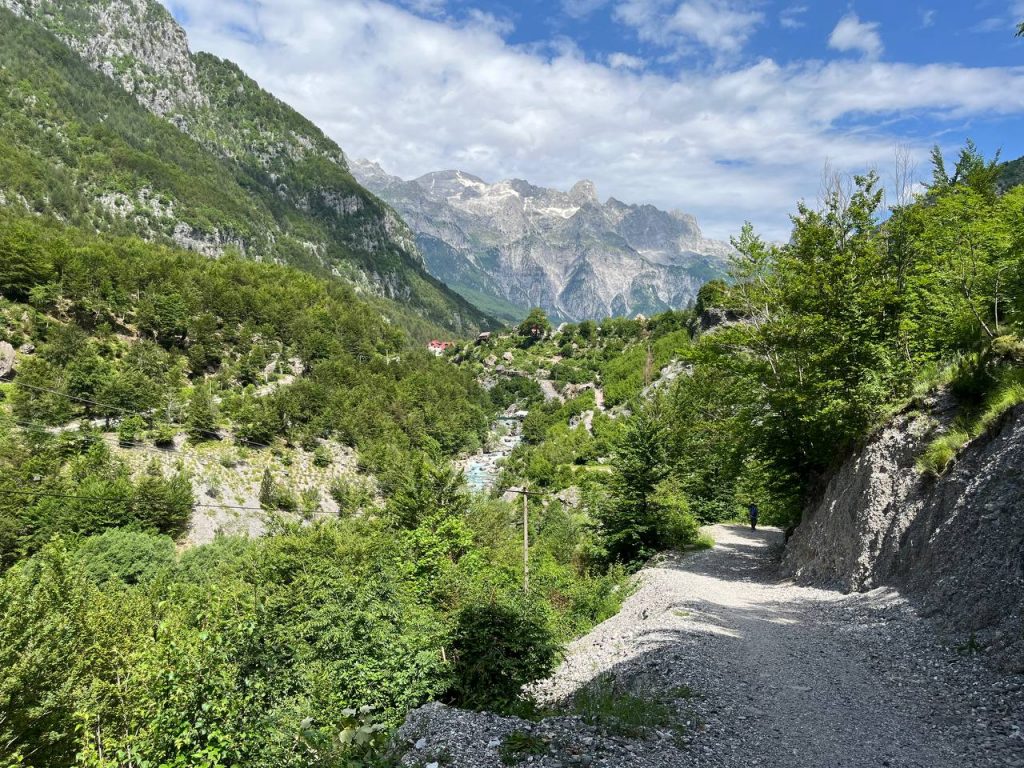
{"x": 526, "y": 494}
{"x": 526, "y": 541}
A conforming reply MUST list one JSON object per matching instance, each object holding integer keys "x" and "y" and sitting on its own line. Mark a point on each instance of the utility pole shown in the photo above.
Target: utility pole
{"x": 526, "y": 541}
{"x": 526, "y": 493}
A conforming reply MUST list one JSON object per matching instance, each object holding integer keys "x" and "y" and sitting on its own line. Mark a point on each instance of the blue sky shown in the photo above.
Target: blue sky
{"x": 728, "y": 109}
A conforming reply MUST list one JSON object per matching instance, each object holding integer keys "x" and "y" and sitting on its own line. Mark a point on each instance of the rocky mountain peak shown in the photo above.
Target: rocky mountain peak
{"x": 134, "y": 42}
{"x": 523, "y": 245}
{"x": 584, "y": 193}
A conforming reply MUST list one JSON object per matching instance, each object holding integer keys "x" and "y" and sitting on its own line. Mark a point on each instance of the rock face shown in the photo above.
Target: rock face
{"x": 954, "y": 544}
{"x": 261, "y": 179}
{"x": 156, "y": 68}
{"x": 6, "y": 360}
{"x": 567, "y": 252}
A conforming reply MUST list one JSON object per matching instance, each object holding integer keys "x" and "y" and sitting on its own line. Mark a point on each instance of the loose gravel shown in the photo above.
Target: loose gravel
{"x": 771, "y": 675}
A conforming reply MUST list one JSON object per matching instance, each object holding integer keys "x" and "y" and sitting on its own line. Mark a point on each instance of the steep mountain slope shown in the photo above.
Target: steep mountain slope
{"x": 141, "y": 136}
{"x": 518, "y": 244}
{"x": 953, "y": 544}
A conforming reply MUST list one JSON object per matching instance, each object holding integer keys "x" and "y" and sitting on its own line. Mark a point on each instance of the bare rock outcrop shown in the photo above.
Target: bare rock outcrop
{"x": 6, "y": 360}
{"x": 954, "y": 544}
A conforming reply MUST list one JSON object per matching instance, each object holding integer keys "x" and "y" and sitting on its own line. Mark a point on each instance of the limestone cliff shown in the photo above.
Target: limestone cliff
{"x": 523, "y": 245}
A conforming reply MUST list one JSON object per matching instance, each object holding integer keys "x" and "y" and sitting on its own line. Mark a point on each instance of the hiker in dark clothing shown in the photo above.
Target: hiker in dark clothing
{"x": 753, "y": 513}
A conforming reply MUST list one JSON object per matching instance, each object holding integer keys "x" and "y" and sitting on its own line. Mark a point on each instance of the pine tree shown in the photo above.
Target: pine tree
{"x": 630, "y": 522}
{"x": 268, "y": 491}
{"x": 201, "y": 415}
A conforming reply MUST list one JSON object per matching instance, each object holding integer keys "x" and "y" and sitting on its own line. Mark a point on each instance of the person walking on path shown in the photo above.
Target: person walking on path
{"x": 753, "y": 512}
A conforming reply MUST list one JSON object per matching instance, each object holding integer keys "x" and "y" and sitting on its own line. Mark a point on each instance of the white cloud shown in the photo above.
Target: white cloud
{"x": 1002, "y": 23}
{"x": 928, "y": 18}
{"x": 722, "y": 26}
{"x": 625, "y": 61}
{"x": 488, "y": 22}
{"x": 792, "y": 17}
{"x": 420, "y": 95}
{"x": 852, "y": 34}
{"x": 426, "y": 7}
{"x": 579, "y": 9}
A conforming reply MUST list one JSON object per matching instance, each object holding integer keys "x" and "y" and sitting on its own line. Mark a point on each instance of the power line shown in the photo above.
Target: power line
{"x": 53, "y": 495}
{"x": 154, "y": 449}
{"x": 128, "y": 412}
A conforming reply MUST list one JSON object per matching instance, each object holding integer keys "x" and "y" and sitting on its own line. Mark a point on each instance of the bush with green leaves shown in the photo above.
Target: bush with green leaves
{"x": 260, "y": 653}
{"x": 125, "y": 556}
{"x": 71, "y": 485}
{"x": 497, "y": 644}
{"x": 130, "y": 430}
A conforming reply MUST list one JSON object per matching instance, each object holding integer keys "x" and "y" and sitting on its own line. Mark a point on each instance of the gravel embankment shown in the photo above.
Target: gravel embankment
{"x": 784, "y": 677}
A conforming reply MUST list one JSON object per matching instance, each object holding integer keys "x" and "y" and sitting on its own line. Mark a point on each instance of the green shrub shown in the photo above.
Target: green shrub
{"x": 607, "y": 704}
{"x": 352, "y": 495}
{"x": 274, "y": 496}
{"x": 309, "y": 503}
{"x": 941, "y": 451}
{"x": 520, "y": 746}
{"x": 130, "y": 430}
{"x": 163, "y": 435}
{"x": 499, "y": 644}
{"x": 127, "y": 556}
{"x": 321, "y": 457}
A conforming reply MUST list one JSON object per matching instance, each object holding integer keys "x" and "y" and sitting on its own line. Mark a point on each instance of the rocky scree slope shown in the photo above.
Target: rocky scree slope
{"x": 954, "y": 545}
{"x": 247, "y": 171}
{"x": 519, "y": 245}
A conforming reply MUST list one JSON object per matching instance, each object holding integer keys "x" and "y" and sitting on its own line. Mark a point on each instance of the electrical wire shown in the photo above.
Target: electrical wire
{"x": 125, "y": 411}
{"x": 115, "y": 499}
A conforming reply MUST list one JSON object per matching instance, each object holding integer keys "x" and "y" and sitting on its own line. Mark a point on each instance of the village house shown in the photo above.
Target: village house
{"x": 438, "y": 348}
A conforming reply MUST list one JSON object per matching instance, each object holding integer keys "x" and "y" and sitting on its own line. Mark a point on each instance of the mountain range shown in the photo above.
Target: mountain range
{"x": 512, "y": 245}
{"x": 110, "y": 123}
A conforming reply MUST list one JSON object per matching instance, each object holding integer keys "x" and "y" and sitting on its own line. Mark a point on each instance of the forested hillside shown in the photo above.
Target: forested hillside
{"x": 244, "y": 651}
{"x": 214, "y": 164}
{"x": 1011, "y": 174}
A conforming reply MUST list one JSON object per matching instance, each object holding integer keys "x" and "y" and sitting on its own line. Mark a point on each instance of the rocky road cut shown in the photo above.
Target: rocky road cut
{"x": 757, "y": 672}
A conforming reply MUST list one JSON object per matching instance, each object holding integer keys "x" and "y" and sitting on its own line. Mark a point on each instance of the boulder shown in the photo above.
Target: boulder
{"x": 6, "y": 360}
{"x": 717, "y": 317}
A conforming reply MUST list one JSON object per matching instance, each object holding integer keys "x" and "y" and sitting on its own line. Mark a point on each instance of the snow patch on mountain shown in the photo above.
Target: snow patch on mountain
{"x": 567, "y": 252}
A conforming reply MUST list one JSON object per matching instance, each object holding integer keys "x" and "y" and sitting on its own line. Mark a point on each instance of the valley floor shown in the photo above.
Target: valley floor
{"x": 755, "y": 671}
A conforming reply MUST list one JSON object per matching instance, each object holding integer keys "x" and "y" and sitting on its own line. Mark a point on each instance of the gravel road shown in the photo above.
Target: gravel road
{"x": 781, "y": 676}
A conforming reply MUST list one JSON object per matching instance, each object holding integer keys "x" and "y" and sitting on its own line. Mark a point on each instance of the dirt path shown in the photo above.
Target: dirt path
{"x": 793, "y": 676}
{"x": 760, "y": 672}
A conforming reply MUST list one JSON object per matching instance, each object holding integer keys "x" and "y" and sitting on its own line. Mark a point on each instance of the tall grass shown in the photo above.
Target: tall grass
{"x": 1007, "y": 393}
